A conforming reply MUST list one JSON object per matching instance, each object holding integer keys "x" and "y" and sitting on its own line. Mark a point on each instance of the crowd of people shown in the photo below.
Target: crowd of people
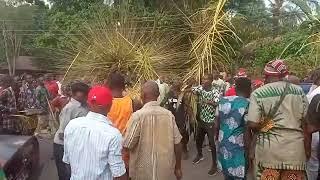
{"x": 260, "y": 129}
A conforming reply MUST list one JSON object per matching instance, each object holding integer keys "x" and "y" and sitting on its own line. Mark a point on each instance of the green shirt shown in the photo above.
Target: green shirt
{"x": 2, "y": 175}
{"x": 206, "y": 111}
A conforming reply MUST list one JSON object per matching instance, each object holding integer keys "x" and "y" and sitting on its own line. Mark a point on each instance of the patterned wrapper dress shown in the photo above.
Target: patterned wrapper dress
{"x": 231, "y": 152}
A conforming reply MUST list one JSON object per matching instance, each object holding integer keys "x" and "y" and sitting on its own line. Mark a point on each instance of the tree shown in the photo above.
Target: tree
{"x": 17, "y": 29}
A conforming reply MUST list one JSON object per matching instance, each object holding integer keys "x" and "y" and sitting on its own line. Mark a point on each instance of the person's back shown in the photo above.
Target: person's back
{"x": 280, "y": 108}
{"x": 120, "y": 112}
{"x": 89, "y": 158}
{"x": 153, "y": 155}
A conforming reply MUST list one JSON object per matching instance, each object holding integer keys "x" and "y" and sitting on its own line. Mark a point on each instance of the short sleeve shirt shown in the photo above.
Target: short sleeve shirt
{"x": 151, "y": 135}
{"x": 281, "y": 142}
{"x": 206, "y": 111}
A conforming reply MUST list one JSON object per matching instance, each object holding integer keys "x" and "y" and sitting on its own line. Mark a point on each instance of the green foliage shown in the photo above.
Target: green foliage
{"x": 285, "y": 47}
{"x": 19, "y": 22}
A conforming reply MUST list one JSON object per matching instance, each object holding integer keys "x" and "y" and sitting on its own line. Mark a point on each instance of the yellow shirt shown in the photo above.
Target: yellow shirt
{"x": 120, "y": 112}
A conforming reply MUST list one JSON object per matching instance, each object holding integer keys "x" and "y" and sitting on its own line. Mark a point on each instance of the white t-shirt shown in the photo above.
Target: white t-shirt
{"x": 163, "y": 89}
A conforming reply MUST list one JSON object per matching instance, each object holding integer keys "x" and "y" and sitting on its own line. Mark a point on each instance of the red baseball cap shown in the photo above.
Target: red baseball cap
{"x": 100, "y": 95}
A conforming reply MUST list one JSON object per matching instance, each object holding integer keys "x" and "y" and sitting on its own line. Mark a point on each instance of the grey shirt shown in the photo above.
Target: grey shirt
{"x": 72, "y": 110}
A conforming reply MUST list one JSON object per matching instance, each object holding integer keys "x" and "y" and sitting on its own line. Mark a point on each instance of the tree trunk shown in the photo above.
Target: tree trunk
{"x": 276, "y": 13}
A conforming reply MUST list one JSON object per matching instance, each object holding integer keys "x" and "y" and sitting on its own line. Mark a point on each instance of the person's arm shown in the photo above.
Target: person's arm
{"x": 177, "y": 149}
{"x": 55, "y": 104}
{"x": 217, "y": 123}
{"x": 64, "y": 118}
{"x": 115, "y": 162}
{"x": 307, "y": 132}
{"x": 178, "y": 155}
{"x": 196, "y": 90}
{"x": 307, "y": 127}
{"x": 132, "y": 135}
{"x": 217, "y": 127}
{"x": 66, "y": 158}
{"x": 252, "y": 126}
{"x": 136, "y": 105}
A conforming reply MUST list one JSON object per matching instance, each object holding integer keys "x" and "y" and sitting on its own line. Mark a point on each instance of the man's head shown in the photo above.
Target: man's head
{"x": 66, "y": 90}
{"x": 207, "y": 80}
{"x": 100, "y": 100}
{"x": 40, "y": 81}
{"x": 6, "y": 81}
{"x": 275, "y": 71}
{"x": 224, "y": 75}
{"x": 293, "y": 79}
{"x": 80, "y": 91}
{"x": 28, "y": 78}
{"x": 149, "y": 92}
{"x": 48, "y": 77}
{"x": 315, "y": 77}
{"x": 116, "y": 82}
{"x": 243, "y": 87}
{"x": 215, "y": 75}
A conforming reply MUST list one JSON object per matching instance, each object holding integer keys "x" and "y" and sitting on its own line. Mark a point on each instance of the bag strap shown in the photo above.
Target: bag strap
{"x": 283, "y": 95}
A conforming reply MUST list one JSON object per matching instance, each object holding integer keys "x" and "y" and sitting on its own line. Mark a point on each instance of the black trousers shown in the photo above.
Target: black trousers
{"x": 63, "y": 169}
{"x": 204, "y": 129}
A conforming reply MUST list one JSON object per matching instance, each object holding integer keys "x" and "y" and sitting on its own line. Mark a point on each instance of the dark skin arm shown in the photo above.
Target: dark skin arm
{"x": 136, "y": 105}
{"x": 217, "y": 127}
{"x": 308, "y": 129}
{"x": 178, "y": 154}
{"x": 123, "y": 177}
{"x": 249, "y": 140}
{"x": 212, "y": 103}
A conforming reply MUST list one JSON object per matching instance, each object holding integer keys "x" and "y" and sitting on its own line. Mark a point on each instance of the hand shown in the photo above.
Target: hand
{"x": 178, "y": 174}
{"x": 308, "y": 154}
{"x": 61, "y": 136}
{"x": 212, "y": 103}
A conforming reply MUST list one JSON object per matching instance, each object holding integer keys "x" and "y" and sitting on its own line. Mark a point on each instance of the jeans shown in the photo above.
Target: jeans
{"x": 204, "y": 129}
{"x": 63, "y": 169}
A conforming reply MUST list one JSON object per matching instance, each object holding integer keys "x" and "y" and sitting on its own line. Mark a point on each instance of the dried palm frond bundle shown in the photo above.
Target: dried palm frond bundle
{"x": 139, "y": 49}
{"x": 211, "y": 34}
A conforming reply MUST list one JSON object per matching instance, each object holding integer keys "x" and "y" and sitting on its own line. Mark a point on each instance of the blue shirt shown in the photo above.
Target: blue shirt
{"x": 92, "y": 147}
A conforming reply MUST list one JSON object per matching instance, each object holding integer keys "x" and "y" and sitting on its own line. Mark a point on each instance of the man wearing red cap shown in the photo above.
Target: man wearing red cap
{"x": 276, "y": 115}
{"x": 92, "y": 145}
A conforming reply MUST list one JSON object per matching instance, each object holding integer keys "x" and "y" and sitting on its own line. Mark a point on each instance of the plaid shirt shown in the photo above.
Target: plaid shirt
{"x": 27, "y": 99}
{"x": 8, "y": 102}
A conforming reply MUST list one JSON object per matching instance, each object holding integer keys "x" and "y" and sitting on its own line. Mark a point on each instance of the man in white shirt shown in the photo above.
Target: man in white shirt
{"x": 163, "y": 89}
{"x": 92, "y": 145}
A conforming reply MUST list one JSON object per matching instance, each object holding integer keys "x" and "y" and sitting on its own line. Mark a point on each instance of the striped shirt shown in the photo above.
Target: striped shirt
{"x": 93, "y": 148}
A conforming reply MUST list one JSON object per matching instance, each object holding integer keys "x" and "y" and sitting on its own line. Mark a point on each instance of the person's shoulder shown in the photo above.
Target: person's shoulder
{"x": 297, "y": 87}
{"x": 147, "y": 111}
{"x": 215, "y": 89}
{"x": 110, "y": 130}
{"x": 114, "y": 131}
{"x": 74, "y": 123}
{"x": 264, "y": 87}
